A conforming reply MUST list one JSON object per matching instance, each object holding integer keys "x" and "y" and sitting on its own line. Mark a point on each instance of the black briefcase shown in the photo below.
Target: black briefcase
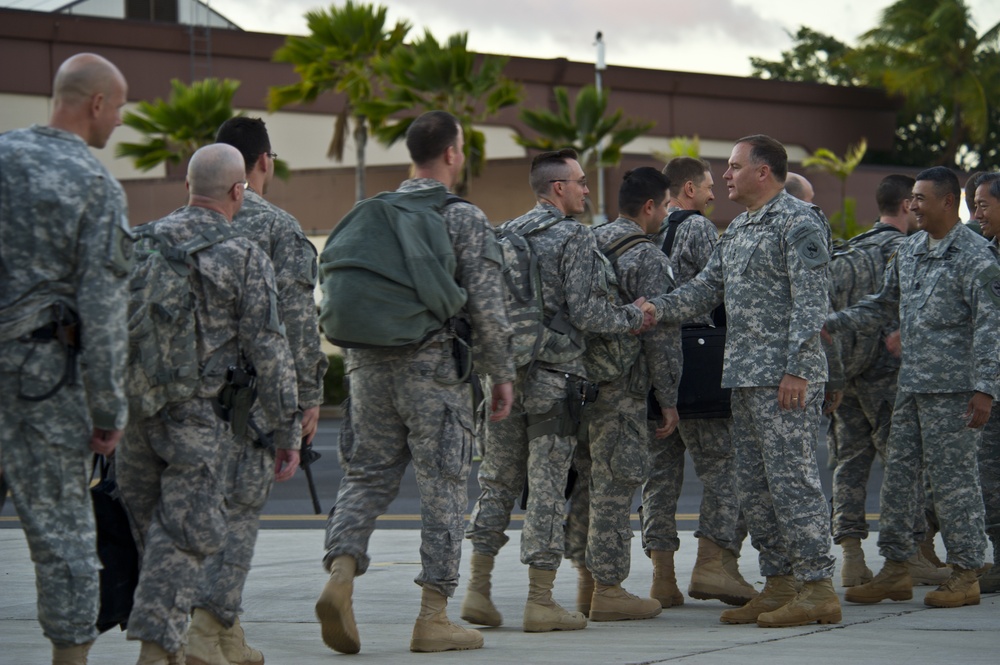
{"x": 116, "y": 549}
{"x": 700, "y": 394}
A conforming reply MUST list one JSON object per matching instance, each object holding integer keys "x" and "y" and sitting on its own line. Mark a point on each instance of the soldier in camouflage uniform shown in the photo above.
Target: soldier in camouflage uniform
{"x": 771, "y": 265}
{"x": 721, "y": 528}
{"x": 407, "y": 403}
{"x": 65, "y": 251}
{"x": 574, "y": 288}
{"x": 172, "y": 466}
{"x": 945, "y": 285}
{"x": 861, "y": 423}
{"x": 215, "y": 625}
{"x": 987, "y": 201}
{"x": 612, "y": 456}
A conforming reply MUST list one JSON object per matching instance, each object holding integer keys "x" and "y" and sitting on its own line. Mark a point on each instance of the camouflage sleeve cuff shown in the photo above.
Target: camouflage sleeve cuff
{"x": 109, "y": 421}
{"x": 986, "y": 388}
{"x": 289, "y": 439}
{"x": 310, "y": 398}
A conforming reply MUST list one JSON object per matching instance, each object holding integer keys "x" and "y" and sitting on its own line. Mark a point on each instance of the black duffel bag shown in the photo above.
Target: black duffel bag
{"x": 116, "y": 549}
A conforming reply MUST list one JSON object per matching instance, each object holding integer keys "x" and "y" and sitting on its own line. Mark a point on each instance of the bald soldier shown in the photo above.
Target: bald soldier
{"x": 171, "y": 464}
{"x": 64, "y": 248}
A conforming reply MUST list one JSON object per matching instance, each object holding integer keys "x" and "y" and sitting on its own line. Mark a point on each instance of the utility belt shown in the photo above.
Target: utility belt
{"x": 564, "y": 418}
{"x": 64, "y": 329}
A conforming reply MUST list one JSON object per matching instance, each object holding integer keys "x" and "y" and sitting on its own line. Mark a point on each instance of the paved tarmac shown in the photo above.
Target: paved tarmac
{"x": 287, "y": 578}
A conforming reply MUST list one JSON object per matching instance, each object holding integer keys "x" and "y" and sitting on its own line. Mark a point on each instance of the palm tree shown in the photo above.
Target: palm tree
{"x": 177, "y": 127}
{"x": 428, "y": 75}
{"x": 338, "y": 56}
{"x": 827, "y": 161}
{"x": 929, "y": 52}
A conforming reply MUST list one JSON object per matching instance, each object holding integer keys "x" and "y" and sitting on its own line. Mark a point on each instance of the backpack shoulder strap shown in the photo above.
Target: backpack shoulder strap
{"x": 674, "y": 220}
{"x": 623, "y": 244}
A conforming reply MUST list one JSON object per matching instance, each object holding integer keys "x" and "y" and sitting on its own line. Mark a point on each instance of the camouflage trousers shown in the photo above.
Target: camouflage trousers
{"x": 249, "y": 478}
{"x": 46, "y": 461}
{"x": 860, "y": 432}
{"x": 929, "y": 431}
{"x": 611, "y": 462}
{"x": 777, "y": 483}
{"x": 401, "y": 412}
{"x": 508, "y": 458}
{"x": 171, "y": 471}
{"x": 989, "y": 477}
{"x": 709, "y": 442}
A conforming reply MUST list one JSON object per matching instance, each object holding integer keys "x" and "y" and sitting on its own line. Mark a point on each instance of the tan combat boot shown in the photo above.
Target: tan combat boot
{"x": 816, "y": 601}
{"x": 893, "y": 582}
{"x": 962, "y": 588}
{"x": 433, "y": 632}
{"x": 74, "y": 655}
{"x": 923, "y": 572}
{"x": 731, "y": 564}
{"x": 584, "y": 590}
{"x": 477, "y": 607}
{"x": 235, "y": 648}
{"x": 989, "y": 582}
{"x": 543, "y": 614}
{"x": 854, "y": 572}
{"x": 613, "y": 603}
{"x": 927, "y": 548}
{"x": 664, "y": 588}
{"x": 334, "y": 609}
{"x": 709, "y": 580}
{"x": 778, "y": 591}
{"x": 151, "y": 653}
{"x": 203, "y": 639}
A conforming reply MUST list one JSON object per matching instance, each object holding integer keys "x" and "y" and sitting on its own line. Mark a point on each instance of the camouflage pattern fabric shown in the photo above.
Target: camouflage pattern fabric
{"x": 694, "y": 241}
{"x": 573, "y": 281}
{"x": 172, "y": 467}
{"x": 771, "y": 266}
{"x": 777, "y": 482}
{"x": 989, "y": 478}
{"x": 709, "y": 443}
{"x": 64, "y": 238}
{"x": 612, "y": 456}
{"x": 948, "y": 301}
{"x": 250, "y": 473}
{"x": 405, "y": 404}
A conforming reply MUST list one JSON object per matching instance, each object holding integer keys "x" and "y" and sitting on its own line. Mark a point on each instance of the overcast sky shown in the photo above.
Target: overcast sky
{"x": 713, "y": 36}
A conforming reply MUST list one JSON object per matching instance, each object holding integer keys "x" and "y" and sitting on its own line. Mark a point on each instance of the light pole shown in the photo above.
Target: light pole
{"x": 601, "y": 216}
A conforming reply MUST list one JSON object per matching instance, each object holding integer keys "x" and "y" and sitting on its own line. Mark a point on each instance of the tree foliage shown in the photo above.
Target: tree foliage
{"x": 583, "y": 125}
{"x": 430, "y": 75}
{"x": 929, "y": 53}
{"x": 841, "y": 168}
{"x": 338, "y": 56}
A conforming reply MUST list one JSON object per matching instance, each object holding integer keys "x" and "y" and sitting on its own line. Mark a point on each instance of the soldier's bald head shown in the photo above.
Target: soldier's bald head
{"x": 84, "y": 75}
{"x": 213, "y": 170}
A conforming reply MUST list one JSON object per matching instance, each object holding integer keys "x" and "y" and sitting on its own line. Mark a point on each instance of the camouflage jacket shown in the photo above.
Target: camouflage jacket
{"x": 644, "y": 270}
{"x": 948, "y": 302}
{"x": 237, "y": 314}
{"x": 294, "y": 259}
{"x": 64, "y": 237}
{"x": 693, "y": 244}
{"x": 480, "y": 272}
{"x": 573, "y": 280}
{"x": 856, "y": 271}
{"x": 771, "y": 266}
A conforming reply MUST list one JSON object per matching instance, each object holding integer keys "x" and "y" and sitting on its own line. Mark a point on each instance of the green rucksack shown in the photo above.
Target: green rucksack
{"x": 163, "y": 364}
{"x": 553, "y": 340}
{"x": 609, "y": 356}
{"x": 388, "y": 271}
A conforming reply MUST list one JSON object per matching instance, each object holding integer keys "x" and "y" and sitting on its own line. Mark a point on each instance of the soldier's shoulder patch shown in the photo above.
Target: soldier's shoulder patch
{"x": 989, "y": 279}
{"x": 810, "y": 246}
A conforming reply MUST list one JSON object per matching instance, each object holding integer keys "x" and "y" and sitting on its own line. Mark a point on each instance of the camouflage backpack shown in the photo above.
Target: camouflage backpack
{"x": 536, "y": 337}
{"x": 163, "y": 366}
{"x": 609, "y": 356}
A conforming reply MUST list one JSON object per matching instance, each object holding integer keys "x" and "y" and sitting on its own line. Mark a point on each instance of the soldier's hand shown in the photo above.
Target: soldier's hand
{"x": 825, "y": 336}
{"x": 286, "y": 463}
{"x": 648, "y": 315}
{"x": 310, "y": 422}
{"x": 670, "y": 420}
{"x": 832, "y": 401}
{"x": 503, "y": 399}
{"x": 979, "y": 409}
{"x": 104, "y": 441}
{"x": 792, "y": 392}
{"x": 894, "y": 344}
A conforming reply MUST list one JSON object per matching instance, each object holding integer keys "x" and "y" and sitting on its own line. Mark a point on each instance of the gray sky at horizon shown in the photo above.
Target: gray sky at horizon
{"x": 710, "y": 36}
